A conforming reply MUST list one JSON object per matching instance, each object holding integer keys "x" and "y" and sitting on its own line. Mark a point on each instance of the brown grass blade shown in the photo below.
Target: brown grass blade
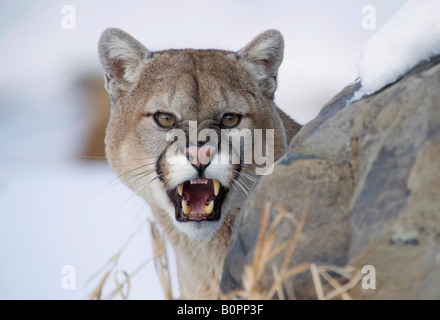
{"x": 161, "y": 260}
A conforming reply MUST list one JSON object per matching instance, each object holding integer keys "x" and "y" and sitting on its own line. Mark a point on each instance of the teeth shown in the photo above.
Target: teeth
{"x": 186, "y": 208}
{"x": 209, "y": 207}
{"x": 198, "y": 182}
{"x": 216, "y": 186}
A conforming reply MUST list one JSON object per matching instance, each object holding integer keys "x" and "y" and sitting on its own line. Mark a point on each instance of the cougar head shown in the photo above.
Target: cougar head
{"x": 176, "y": 117}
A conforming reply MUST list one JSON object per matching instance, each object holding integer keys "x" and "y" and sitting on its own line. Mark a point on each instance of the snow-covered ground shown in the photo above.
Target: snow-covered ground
{"x": 69, "y": 214}
{"x": 56, "y": 211}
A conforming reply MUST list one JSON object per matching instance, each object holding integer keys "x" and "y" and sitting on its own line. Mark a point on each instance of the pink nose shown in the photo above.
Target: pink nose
{"x": 199, "y": 156}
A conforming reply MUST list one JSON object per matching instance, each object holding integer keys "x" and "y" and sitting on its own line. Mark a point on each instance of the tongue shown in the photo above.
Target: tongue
{"x": 198, "y": 195}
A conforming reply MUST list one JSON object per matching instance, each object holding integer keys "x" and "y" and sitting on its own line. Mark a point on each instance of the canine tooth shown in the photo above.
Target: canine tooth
{"x": 180, "y": 189}
{"x": 216, "y": 186}
{"x": 186, "y": 208}
{"x": 209, "y": 207}
{"x": 190, "y": 181}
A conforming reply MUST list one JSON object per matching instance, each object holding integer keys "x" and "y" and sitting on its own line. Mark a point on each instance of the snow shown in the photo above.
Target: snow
{"x": 410, "y": 37}
{"x": 76, "y": 214}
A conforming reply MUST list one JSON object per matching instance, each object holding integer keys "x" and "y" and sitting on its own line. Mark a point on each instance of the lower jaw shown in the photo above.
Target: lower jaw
{"x": 199, "y": 230}
{"x": 181, "y": 217}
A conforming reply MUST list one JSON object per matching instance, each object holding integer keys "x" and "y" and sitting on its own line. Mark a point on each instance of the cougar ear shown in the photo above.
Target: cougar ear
{"x": 121, "y": 55}
{"x": 265, "y": 54}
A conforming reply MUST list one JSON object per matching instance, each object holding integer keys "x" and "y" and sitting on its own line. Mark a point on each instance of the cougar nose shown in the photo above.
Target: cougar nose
{"x": 200, "y": 156}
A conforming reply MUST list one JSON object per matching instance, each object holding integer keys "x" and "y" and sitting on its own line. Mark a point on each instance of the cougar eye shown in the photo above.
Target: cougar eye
{"x": 230, "y": 120}
{"x": 164, "y": 119}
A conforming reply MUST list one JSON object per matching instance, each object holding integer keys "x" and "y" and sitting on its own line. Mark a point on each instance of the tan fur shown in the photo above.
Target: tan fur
{"x": 197, "y": 85}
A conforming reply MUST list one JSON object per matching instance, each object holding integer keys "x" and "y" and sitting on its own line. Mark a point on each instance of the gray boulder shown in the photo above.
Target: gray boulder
{"x": 366, "y": 179}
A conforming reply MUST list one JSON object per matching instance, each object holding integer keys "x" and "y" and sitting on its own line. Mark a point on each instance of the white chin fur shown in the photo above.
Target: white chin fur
{"x": 198, "y": 230}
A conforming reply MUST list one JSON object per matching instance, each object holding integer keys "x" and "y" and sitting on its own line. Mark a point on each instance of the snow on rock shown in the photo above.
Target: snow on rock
{"x": 411, "y": 36}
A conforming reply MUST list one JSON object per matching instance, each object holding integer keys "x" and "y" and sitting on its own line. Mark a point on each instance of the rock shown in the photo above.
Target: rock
{"x": 366, "y": 177}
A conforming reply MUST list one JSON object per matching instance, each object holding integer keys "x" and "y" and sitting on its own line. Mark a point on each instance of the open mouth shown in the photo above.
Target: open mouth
{"x": 198, "y": 199}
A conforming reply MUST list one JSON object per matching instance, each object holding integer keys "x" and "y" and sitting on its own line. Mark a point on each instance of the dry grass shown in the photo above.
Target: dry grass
{"x": 253, "y": 274}
{"x": 264, "y": 253}
{"x": 161, "y": 260}
{"x": 111, "y": 269}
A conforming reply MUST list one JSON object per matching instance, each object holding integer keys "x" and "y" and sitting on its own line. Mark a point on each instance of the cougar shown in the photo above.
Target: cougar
{"x": 205, "y": 99}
